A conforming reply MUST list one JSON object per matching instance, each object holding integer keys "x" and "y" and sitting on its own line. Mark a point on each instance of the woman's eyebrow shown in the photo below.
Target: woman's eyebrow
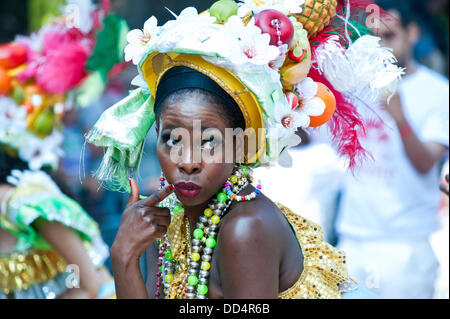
{"x": 203, "y": 128}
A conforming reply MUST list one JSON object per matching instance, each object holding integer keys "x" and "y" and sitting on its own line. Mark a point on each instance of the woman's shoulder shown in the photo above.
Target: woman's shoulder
{"x": 258, "y": 219}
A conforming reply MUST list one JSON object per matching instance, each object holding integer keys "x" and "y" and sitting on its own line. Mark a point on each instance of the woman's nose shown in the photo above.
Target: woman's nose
{"x": 189, "y": 168}
{"x": 190, "y": 162}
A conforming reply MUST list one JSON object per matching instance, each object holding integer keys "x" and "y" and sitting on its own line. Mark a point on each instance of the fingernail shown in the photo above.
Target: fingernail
{"x": 171, "y": 187}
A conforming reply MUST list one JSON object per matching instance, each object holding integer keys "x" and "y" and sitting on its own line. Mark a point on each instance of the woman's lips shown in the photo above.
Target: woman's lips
{"x": 188, "y": 189}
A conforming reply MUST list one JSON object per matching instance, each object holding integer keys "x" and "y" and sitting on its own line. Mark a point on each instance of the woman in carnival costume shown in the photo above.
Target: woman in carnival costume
{"x": 48, "y": 243}
{"x": 263, "y": 69}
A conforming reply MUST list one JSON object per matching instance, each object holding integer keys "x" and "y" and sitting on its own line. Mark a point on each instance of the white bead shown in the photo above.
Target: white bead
{"x": 190, "y": 295}
{"x": 206, "y": 258}
{"x": 207, "y": 251}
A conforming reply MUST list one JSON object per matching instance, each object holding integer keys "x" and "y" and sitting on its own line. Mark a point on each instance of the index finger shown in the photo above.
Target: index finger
{"x": 158, "y": 196}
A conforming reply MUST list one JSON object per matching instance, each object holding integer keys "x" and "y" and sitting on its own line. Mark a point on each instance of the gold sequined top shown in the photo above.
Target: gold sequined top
{"x": 323, "y": 265}
{"x": 21, "y": 270}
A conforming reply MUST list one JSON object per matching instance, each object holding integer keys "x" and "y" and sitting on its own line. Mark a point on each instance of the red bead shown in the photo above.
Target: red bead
{"x": 158, "y": 284}
{"x": 162, "y": 179}
{"x": 157, "y": 295}
{"x": 158, "y": 274}
{"x": 186, "y": 291}
{"x": 243, "y": 197}
{"x": 161, "y": 254}
{"x": 159, "y": 264}
{"x": 164, "y": 245}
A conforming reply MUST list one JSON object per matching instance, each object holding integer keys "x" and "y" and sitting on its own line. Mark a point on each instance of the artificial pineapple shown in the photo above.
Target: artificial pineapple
{"x": 316, "y": 15}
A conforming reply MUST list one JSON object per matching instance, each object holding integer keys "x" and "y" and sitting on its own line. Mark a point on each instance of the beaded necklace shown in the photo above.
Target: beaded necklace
{"x": 184, "y": 266}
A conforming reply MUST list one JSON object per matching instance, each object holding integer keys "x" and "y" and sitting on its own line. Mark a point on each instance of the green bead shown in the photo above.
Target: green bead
{"x": 205, "y": 265}
{"x": 178, "y": 208}
{"x": 168, "y": 278}
{"x": 195, "y": 256}
{"x": 192, "y": 280}
{"x": 169, "y": 255}
{"x": 211, "y": 242}
{"x": 198, "y": 233}
{"x": 208, "y": 212}
{"x": 244, "y": 170}
{"x": 202, "y": 289}
{"x": 222, "y": 197}
{"x": 215, "y": 219}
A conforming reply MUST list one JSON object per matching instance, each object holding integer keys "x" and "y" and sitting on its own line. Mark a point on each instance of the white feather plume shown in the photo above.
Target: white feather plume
{"x": 365, "y": 70}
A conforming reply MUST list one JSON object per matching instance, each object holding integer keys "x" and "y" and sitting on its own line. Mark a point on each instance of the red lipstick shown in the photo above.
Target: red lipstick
{"x": 188, "y": 189}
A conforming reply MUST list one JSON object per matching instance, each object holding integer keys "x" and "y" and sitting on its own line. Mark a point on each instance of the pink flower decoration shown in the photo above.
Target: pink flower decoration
{"x": 63, "y": 62}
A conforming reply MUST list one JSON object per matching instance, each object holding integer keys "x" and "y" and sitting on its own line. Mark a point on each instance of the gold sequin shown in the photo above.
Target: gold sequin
{"x": 179, "y": 236}
{"x": 323, "y": 265}
{"x": 19, "y": 271}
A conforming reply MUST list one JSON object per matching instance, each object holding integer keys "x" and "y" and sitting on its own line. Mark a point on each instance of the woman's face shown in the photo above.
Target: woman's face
{"x": 191, "y": 149}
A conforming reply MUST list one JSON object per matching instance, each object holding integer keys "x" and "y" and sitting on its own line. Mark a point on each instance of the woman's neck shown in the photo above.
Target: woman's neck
{"x": 193, "y": 214}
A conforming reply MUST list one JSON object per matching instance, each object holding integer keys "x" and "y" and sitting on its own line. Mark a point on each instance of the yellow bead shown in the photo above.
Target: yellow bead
{"x": 208, "y": 212}
{"x": 215, "y": 220}
{"x": 168, "y": 278}
{"x": 233, "y": 179}
{"x": 206, "y": 265}
{"x": 195, "y": 256}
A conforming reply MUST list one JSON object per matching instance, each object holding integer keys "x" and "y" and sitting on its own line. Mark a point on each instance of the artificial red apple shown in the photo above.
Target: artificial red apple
{"x": 277, "y": 25}
{"x": 12, "y": 55}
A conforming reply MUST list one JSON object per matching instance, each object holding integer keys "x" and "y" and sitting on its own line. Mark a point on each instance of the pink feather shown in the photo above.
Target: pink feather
{"x": 346, "y": 125}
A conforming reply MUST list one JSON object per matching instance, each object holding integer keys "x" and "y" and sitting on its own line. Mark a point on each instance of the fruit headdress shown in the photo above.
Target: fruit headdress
{"x": 288, "y": 64}
{"x": 42, "y": 76}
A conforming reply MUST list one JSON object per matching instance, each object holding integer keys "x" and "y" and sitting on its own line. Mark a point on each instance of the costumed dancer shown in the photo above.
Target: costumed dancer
{"x": 49, "y": 246}
{"x": 265, "y": 67}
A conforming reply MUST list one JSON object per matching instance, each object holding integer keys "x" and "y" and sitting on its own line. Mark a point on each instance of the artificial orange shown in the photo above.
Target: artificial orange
{"x": 325, "y": 94}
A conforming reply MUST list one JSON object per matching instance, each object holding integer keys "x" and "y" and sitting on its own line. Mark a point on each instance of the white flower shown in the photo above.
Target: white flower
{"x": 141, "y": 41}
{"x": 32, "y": 149}
{"x": 286, "y": 121}
{"x": 309, "y": 103}
{"x": 41, "y": 152}
{"x": 279, "y": 61}
{"x": 249, "y": 44}
{"x": 284, "y": 6}
{"x": 12, "y": 116}
{"x": 186, "y": 24}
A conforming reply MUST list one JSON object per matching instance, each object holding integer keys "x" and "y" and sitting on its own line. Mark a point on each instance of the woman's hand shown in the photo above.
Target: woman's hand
{"x": 142, "y": 223}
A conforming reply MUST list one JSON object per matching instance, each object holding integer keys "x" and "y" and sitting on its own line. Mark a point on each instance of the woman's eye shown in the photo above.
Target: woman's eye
{"x": 173, "y": 142}
{"x": 210, "y": 143}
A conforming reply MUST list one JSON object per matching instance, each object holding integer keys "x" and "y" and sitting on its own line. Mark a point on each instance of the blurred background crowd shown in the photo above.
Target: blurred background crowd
{"x": 328, "y": 191}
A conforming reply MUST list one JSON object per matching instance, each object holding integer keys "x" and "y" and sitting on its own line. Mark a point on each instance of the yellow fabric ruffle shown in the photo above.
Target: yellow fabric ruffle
{"x": 19, "y": 271}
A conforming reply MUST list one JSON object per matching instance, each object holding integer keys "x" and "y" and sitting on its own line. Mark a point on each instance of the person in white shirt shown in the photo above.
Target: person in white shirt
{"x": 389, "y": 208}
{"x": 320, "y": 171}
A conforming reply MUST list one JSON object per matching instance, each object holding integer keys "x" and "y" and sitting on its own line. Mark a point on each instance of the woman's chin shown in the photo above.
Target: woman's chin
{"x": 190, "y": 199}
